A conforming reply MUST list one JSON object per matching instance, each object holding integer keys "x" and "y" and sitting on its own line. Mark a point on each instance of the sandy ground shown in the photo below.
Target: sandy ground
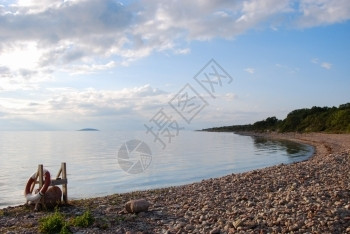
{"x": 312, "y": 196}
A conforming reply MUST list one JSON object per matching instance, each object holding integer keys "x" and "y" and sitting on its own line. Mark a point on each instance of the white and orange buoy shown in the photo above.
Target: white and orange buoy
{"x": 36, "y": 197}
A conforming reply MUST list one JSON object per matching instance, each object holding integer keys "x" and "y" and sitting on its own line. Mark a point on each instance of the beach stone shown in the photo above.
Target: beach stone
{"x": 137, "y": 206}
{"x": 120, "y": 231}
{"x": 189, "y": 227}
{"x": 141, "y": 214}
{"x": 237, "y": 223}
{"x": 180, "y": 225}
{"x": 53, "y": 197}
{"x": 250, "y": 204}
{"x": 215, "y": 231}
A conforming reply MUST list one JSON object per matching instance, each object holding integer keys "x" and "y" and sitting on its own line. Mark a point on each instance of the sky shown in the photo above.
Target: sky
{"x": 119, "y": 65}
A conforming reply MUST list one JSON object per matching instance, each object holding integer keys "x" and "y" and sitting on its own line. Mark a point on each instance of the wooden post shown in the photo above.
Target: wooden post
{"x": 59, "y": 173}
{"x": 64, "y": 186}
{"x": 41, "y": 173}
{"x": 41, "y": 183}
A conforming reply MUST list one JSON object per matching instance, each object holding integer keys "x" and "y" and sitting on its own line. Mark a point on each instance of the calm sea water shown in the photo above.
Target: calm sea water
{"x": 93, "y": 168}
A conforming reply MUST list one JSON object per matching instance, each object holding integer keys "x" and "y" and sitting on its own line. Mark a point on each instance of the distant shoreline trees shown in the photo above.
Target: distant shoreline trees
{"x": 315, "y": 119}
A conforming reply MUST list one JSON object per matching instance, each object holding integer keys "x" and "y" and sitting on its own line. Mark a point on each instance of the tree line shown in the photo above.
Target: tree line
{"x": 315, "y": 119}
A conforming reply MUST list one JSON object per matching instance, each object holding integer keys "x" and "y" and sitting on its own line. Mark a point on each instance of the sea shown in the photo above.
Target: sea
{"x": 101, "y": 163}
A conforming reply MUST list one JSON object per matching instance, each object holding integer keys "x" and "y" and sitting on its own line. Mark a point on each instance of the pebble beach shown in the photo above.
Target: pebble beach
{"x": 311, "y": 196}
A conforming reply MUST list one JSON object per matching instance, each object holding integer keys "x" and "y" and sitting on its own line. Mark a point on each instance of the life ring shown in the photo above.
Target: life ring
{"x": 47, "y": 181}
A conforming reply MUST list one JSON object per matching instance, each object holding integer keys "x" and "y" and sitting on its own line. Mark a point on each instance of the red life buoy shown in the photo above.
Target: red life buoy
{"x": 36, "y": 197}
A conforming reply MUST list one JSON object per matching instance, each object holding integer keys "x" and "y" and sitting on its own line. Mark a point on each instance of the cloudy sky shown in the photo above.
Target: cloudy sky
{"x": 114, "y": 65}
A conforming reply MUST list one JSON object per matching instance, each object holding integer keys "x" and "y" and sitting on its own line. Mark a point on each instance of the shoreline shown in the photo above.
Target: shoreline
{"x": 307, "y": 196}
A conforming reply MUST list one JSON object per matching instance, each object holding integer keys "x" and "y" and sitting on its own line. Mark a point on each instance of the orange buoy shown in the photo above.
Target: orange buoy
{"x": 27, "y": 193}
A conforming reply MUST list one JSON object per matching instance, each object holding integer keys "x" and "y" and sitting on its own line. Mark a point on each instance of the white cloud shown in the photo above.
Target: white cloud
{"x": 230, "y": 96}
{"x": 183, "y": 51}
{"x": 61, "y": 33}
{"x": 315, "y": 60}
{"x": 89, "y": 68}
{"x": 72, "y": 105}
{"x": 291, "y": 70}
{"x": 326, "y": 65}
{"x": 22, "y": 79}
{"x": 274, "y": 28}
{"x": 42, "y": 36}
{"x": 93, "y": 101}
{"x": 322, "y": 12}
{"x": 255, "y": 12}
{"x": 68, "y": 108}
{"x": 250, "y": 70}
{"x": 24, "y": 55}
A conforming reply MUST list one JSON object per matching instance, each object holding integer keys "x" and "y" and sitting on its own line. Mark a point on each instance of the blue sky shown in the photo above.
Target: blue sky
{"x": 112, "y": 65}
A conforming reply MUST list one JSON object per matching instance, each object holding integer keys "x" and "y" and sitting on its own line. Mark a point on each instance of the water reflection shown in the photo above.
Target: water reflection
{"x": 291, "y": 149}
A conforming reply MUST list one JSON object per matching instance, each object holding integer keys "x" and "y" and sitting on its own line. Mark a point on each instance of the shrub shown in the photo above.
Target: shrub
{"x": 52, "y": 223}
{"x": 83, "y": 220}
{"x": 65, "y": 230}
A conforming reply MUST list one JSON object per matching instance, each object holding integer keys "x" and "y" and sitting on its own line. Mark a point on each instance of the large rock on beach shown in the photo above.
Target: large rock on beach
{"x": 137, "y": 206}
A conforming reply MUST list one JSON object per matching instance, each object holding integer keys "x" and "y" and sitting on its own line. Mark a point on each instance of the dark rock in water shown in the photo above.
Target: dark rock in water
{"x": 137, "y": 206}
{"x": 88, "y": 129}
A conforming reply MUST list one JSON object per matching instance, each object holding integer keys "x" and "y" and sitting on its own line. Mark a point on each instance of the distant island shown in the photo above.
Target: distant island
{"x": 88, "y": 129}
{"x": 315, "y": 119}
